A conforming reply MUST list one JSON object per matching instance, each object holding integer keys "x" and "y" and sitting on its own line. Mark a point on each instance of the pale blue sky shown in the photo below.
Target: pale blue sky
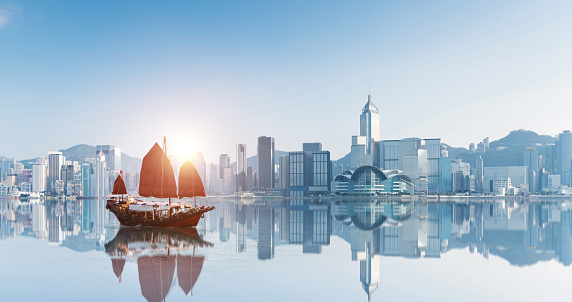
{"x": 211, "y": 74}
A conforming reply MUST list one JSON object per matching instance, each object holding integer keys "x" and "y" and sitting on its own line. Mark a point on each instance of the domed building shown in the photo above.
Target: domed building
{"x": 370, "y": 180}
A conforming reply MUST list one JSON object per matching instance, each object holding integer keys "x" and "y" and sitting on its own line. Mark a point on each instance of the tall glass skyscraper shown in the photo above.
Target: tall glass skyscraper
{"x": 564, "y": 157}
{"x": 266, "y": 162}
{"x": 369, "y": 124}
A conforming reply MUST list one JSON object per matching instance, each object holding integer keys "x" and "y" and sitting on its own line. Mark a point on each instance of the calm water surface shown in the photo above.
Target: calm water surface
{"x": 288, "y": 250}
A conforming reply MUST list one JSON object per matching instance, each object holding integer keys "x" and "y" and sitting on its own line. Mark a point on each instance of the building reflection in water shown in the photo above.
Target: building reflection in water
{"x": 521, "y": 232}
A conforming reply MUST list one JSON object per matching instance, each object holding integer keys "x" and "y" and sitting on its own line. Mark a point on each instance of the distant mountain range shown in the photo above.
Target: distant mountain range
{"x": 507, "y": 151}
{"x": 80, "y": 152}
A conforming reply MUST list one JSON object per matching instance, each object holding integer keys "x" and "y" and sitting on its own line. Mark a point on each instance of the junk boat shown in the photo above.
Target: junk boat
{"x": 158, "y": 180}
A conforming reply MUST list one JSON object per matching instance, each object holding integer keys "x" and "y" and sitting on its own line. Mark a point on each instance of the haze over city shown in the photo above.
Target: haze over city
{"x": 211, "y": 75}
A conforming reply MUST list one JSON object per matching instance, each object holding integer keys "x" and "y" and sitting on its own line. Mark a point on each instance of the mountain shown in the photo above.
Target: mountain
{"x": 80, "y": 152}
{"x": 509, "y": 150}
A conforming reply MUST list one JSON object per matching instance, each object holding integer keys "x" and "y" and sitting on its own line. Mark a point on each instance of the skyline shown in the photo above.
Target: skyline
{"x": 299, "y": 72}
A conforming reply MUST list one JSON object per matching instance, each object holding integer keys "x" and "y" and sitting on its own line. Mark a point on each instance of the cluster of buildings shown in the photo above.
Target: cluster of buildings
{"x": 376, "y": 167}
{"x": 54, "y": 175}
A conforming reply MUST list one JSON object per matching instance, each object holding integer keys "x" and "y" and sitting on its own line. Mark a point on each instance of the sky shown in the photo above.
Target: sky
{"x": 211, "y": 74}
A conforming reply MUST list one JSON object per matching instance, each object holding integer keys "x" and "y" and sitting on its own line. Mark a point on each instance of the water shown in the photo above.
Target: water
{"x": 292, "y": 250}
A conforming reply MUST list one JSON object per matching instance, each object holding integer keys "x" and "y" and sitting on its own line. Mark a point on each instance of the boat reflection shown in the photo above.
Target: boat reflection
{"x": 158, "y": 253}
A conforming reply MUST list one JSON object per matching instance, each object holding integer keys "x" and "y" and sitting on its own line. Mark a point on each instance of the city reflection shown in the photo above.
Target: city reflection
{"x": 522, "y": 232}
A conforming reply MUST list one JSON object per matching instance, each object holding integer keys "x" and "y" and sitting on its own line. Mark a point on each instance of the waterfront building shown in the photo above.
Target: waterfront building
{"x": 213, "y": 179}
{"x": 309, "y": 171}
{"x": 55, "y": 162}
{"x": 266, "y": 162}
{"x": 101, "y": 176}
{"x": 418, "y": 158}
{"x": 223, "y": 162}
{"x": 200, "y": 165}
{"x": 284, "y": 171}
{"x": 518, "y": 175}
{"x": 370, "y": 180}
{"x": 445, "y": 170}
{"x": 251, "y": 179}
{"x": 240, "y": 158}
{"x": 112, "y": 156}
{"x": 564, "y": 157}
{"x": 479, "y": 174}
{"x": 86, "y": 180}
{"x": 39, "y": 177}
{"x": 241, "y": 167}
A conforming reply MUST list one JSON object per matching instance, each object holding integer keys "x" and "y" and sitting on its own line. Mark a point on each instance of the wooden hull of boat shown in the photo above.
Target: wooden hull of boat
{"x": 134, "y": 218}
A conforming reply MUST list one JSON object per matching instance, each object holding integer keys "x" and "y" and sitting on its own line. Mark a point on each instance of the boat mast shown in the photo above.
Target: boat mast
{"x": 165, "y": 150}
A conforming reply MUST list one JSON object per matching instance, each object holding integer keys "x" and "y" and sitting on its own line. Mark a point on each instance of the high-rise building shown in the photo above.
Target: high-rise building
{"x": 531, "y": 158}
{"x": 564, "y": 157}
{"x": 241, "y": 168}
{"x": 55, "y": 162}
{"x": 240, "y": 158}
{"x": 370, "y": 125}
{"x": 265, "y": 162}
{"x": 101, "y": 176}
{"x": 283, "y": 171}
{"x": 86, "y": 180}
{"x": 445, "y": 171}
{"x": 213, "y": 179}
{"x": 309, "y": 171}
{"x": 486, "y": 143}
{"x": 224, "y": 162}
{"x": 479, "y": 174}
{"x": 112, "y": 156}
{"x": 201, "y": 166}
{"x": 39, "y": 178}
{"x": 418, "y": 158}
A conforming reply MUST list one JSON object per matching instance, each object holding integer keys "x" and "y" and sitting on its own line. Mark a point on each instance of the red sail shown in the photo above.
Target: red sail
{"x": 157, "y": 178}
{"x": 119, "y": 186}
{"x": 118, "y": 265}
{"x": 188, "y": 271}
{"x": 190, "y": 183}
{"x": 156, "y": 276}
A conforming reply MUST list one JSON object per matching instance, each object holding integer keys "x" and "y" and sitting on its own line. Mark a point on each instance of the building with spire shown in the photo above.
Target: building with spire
{"x": 369, "y": 125}
{"x": 362, "y": 152}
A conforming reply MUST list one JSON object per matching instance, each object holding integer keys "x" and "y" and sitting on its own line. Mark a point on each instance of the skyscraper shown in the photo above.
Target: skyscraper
{"x": 38, "y": 177}
{"x": 101, "y": 176}
{"x": 201, "y": 166}
{"x": 112, "y": 156}
{"x": 479, "y": 174}
{"x": 265, "y": 162}
{"x": 564, "y": 157}
{"x": 55, "y": 162}
{"x": 223, "y": 162}
{"x": 213, "y": 179}
{"x": 86, "y": 183}
{"x": 369, "y": 124}
{"x": 240, "y": 158}
{"x": 241, "y": 167}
